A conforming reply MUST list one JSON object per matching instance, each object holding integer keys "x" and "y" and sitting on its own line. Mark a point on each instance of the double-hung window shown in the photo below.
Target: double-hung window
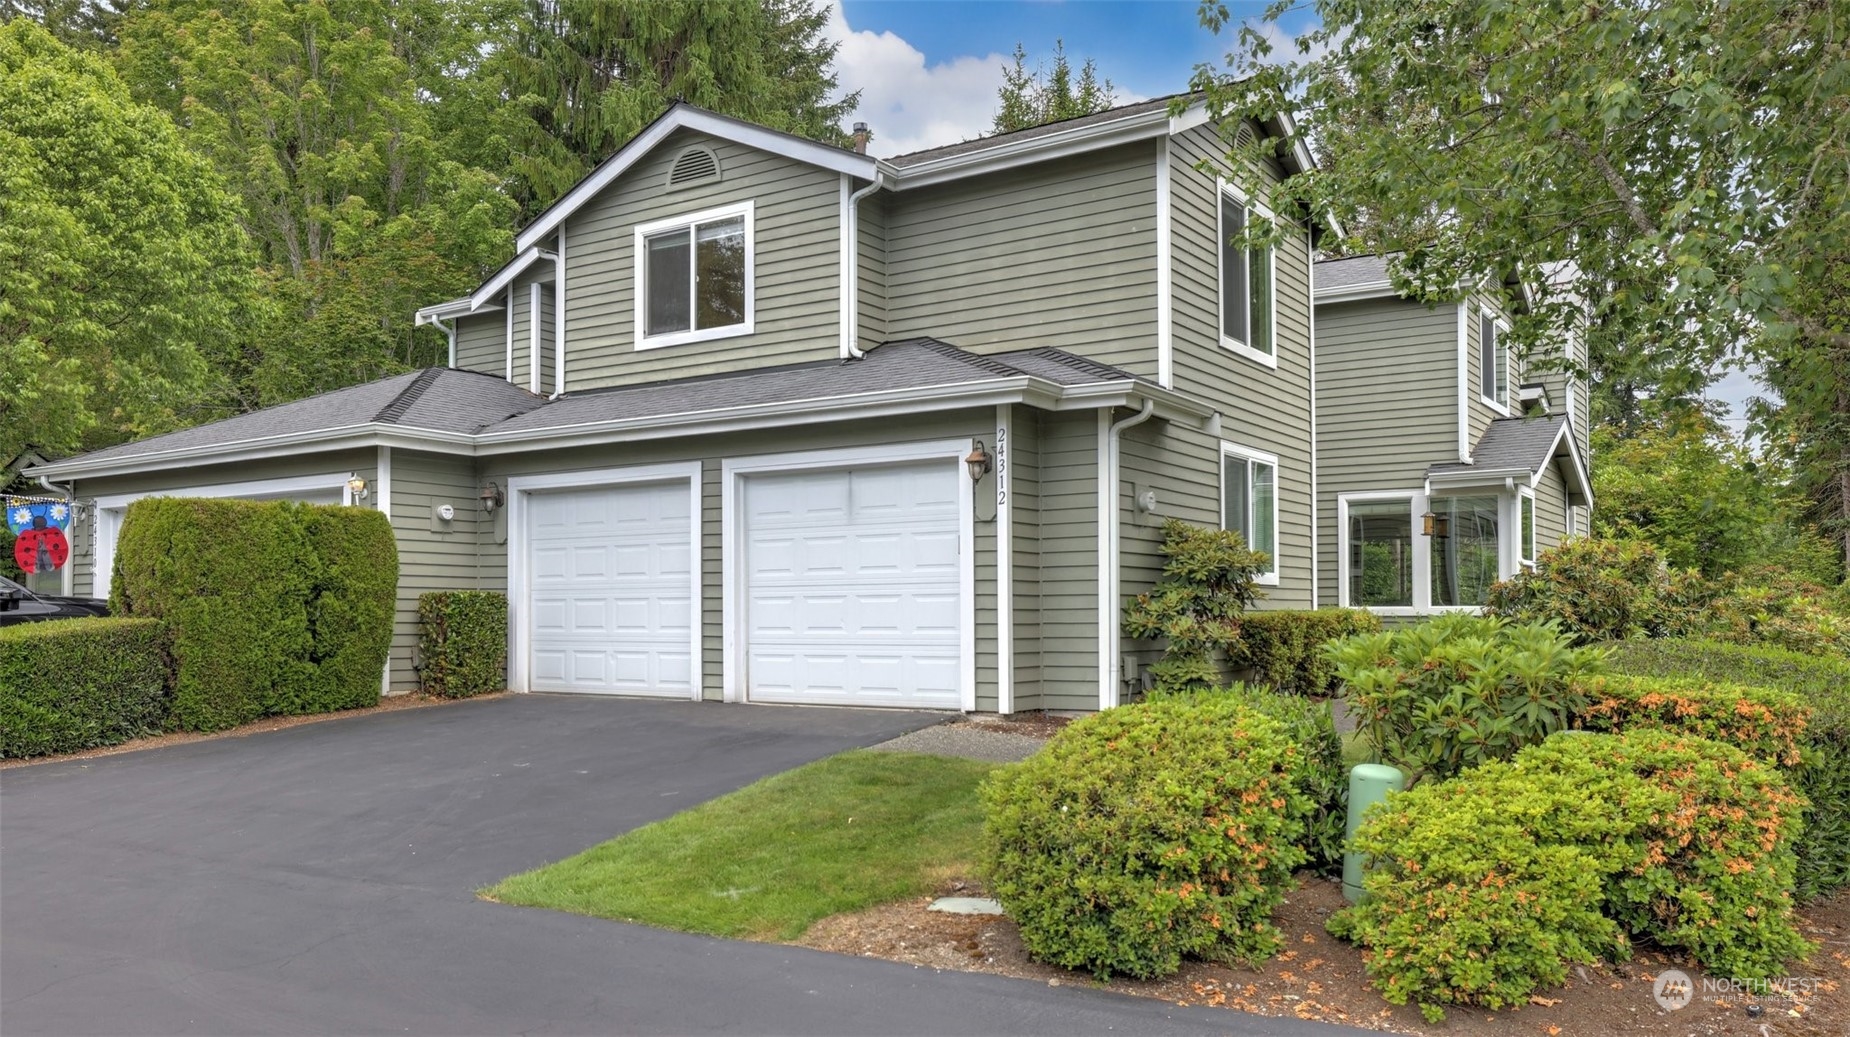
{"x": 694, "y": 277}
{"x": 1248, "y": 318}
{"x": 1493, "y": 360}
{"x": 1249, "y": 502}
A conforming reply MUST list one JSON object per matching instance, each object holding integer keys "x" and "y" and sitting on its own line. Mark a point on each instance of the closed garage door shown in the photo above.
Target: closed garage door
{"x": 852, "y": 593}
{"x": 611, "y": 602}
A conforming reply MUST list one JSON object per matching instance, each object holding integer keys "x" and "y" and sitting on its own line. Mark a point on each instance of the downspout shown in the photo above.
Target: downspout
{"x": 851, "y": 287}
{"x": 558, "y": 314}
{"x": 1111, "y": 666}
{"x": 67, "y": 584}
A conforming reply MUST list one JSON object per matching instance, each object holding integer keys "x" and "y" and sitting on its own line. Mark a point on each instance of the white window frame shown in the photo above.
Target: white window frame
{"x": 1234, "y": 345}
{"x": 1525, "y": 531}
{"x": 1509, "y": 517}
{"x": 1267, "y": 579}
{"x": 641, "y": 284}
{"x": 1496, "y": 320}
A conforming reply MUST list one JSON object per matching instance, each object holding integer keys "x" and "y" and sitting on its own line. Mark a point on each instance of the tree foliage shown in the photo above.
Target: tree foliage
{"x": 122, "y": 263}
{"x": 1049, "y": 93}
{"x": 1660, "y": 172}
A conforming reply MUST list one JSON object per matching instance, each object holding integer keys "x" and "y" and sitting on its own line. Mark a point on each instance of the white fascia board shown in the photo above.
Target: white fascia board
{"x": 1356, "y": 292}
{"x": 503, "y": 277}
{"x": 1141, "y": 126}
{"x": 453, "y": 308}
{"x": 687, "y": 117}
{"x": 290, "y": 445}
{"x": 1489, "y": 478}
{"x": 1573, "y": 453}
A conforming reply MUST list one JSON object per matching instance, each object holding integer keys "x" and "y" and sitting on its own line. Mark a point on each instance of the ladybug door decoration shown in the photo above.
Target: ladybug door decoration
{"x": 41, "y": 546}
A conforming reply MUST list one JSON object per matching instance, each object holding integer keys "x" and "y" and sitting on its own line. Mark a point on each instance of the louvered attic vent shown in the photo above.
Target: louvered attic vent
{"x": 692, "y": 166}
{"x": 1244, "y": 136}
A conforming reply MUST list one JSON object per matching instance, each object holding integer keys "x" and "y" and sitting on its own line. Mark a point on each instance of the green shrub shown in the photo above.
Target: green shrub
{"x": 77, "y": 684}
{"x": 1775, "y": 608}
{"x": 463, "y": 644}
{"x": 1209, "y": 579}
{"x": 1600, "y": 590}
{"x": 1765, "y": 723}
{"x": 1823, "y": 775}
{"x": 1483, "y": 888}
{"x": 1285, "y": 648}
{"x": 1707, "y": 864}
{"x": 1149, "y": 833}
{"x": 1321, "y": 774}
{"x": 270, "y": 604}
{"x": 1460, "y": 689}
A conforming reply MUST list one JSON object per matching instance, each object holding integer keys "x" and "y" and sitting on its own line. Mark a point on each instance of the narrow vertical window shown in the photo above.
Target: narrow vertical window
{"x": 1379, "y": 565}
{"x": 1528, "y": 531}
{"x": 1493, "y": 361}
{"x": 1246, "y": 303}
{"x": 1249, "y": 503}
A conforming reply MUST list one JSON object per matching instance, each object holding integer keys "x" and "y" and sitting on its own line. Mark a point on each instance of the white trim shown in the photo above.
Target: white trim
{"x": 1192, "y": 116}
{"x": 690, "y": 221}
{"x": 1107, "y": 585}
{"x": 1420, "y": 573}
{"x": 504, "y": 278}
{"x": 1041, "y": 147}
{"x": 382, "y": 497}
{"x": 1501, "y": 408}
{"x": 509, "y": 377}
{"x": 535, "y": 312}
{"x": 520, "y": 648}
{"x": 1464, "y": 388}
{"x": 1228, "y": 342}
{"x": 450, "y": 308}
{"x": 1227, "y": 450}
{"x": 683, "y": 116}
{"x": 733, "y": 470}
{"x": 1355, "y": 292}
{"x": 1005, "y": 561}
{"x": 1165, "y": 269}
{"x": 558, "y": 315}
{"x": 1525, "y": 546}
{"x": 843, "y": 267}
{"x": 109, "y": 511}
{"x": 1316, "y": 502}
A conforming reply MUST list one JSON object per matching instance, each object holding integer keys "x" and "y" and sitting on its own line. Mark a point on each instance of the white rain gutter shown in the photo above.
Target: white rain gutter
{"x": 1110, "y": 668}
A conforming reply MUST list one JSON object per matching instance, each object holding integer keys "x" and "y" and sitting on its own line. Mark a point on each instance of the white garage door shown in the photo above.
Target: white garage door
{"x": 852, "y": 586}
{"x": 611, "y": 601}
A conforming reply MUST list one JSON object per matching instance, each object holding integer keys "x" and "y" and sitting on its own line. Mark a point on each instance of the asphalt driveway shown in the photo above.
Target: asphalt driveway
{"x": 320, "y": 879}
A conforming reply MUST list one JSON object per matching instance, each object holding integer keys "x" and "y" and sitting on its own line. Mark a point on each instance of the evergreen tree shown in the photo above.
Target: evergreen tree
{"x": 1049, "y": 95}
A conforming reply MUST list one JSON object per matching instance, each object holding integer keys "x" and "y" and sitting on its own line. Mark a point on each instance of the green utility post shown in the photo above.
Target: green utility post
{"x": 1369, "y": 783}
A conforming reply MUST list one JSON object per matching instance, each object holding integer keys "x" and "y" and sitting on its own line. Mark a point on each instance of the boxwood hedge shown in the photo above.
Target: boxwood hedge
{"x": 81, "y": 683}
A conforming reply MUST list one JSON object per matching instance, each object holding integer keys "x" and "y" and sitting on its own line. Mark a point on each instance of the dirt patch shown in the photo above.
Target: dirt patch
{"x": 1033, "y": 724}
{"x": 1320, "y": 977}
{"x": 415, "y": 700}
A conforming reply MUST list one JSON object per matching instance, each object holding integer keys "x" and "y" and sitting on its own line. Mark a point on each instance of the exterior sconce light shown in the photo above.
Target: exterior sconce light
{"x": 1437, "y": 526}
{"x": 978, "y": 462}
{"x": 491, "y": 497}
{"x": 357, "y": 486}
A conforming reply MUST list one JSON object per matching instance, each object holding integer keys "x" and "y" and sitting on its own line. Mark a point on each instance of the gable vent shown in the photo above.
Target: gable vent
{"x": 1244, "y": 136}
{"x": 693, "y": 165}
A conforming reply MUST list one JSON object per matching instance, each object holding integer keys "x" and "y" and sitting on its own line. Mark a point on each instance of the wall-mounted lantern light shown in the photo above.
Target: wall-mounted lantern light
{"x": 357, "y": 486}
{"x": 1437, "y": 526}
{"x": 491, "y": 497}
{"x": 978, "y": 462}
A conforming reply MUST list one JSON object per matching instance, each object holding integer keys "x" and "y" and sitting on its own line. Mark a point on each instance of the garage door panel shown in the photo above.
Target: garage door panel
{"x": 609, "y": 599}
{"x": 853, "y": 585}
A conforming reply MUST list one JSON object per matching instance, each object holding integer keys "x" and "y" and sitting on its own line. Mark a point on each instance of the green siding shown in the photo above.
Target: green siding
{"x": 432, "y": 555}
{"x": 1058, "y": 254}
{"x": 1550, "y": 509}
{"x": 1262, "y": 408}
{"x": 1069, "y": 587}
{"x": 1387, "y": 404}
{"x": 871, "y": 271}
{"x": 481, "y": 343}
{"x": 797, "y": 231}
{"x": 1025, "y": 561}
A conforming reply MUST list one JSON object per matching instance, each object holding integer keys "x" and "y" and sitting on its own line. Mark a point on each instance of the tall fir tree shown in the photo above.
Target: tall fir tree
{"x": 1049, "y": 94}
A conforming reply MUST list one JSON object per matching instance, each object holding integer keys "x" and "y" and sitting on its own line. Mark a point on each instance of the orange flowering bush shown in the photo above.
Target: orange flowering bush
{"x": 1766, "y": 723}
{"x": 1147, "y": 834}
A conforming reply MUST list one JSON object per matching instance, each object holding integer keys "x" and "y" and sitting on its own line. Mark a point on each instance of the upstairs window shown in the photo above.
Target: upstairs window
{"x": 1493, "y": 361}
{"x": 1249, "y": 502}
{"x": 694, "y": 277}
{"x": 1247, "y": 314}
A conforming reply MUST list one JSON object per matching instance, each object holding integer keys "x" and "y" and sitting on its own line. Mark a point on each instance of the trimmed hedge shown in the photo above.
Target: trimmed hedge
{"x": 1822, "y": 682}
{"x": 463, "y": 642}
{"x": 275, "y": 607}
{"x": 77, "y": 684}
{"x": 1284, "y": 648}
{"x": 1765, "y": 723}
{"x": 1149, "y": 833}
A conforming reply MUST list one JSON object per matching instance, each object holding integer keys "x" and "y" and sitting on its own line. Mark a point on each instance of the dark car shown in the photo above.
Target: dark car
{"x": 19, "y": 605}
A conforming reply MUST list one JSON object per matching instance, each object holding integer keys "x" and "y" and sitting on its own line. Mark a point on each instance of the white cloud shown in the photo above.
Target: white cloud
{"x": 909, "y": 104}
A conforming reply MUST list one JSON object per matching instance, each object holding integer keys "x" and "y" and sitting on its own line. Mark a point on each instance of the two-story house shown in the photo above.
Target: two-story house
{"x": 1446, "y": 459}
{"x": 749, "y": 418}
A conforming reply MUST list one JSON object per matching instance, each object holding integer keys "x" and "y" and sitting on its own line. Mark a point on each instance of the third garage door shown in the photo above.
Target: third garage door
{"x": 852, "y": 586}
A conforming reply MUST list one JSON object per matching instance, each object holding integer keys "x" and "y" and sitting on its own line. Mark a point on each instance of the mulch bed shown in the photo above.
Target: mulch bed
{"x": 1320, "y": 977}
{"x": 415, "y": 700}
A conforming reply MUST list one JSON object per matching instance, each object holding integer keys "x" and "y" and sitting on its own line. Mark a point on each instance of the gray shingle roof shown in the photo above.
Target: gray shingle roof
{"x": 919, "y": 363}
{"x": 1510, "y": 443}
{"x": 437, "y": 398}
{"x": 1346, "y": 273}
{"x": 1110, "y": 114}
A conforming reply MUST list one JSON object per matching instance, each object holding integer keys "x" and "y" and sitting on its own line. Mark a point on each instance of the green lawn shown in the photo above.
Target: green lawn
{"x": 771, "y": 859}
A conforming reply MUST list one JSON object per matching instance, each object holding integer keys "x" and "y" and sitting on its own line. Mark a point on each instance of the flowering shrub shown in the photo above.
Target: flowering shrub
{"x": 1600, "y": 590}
{"x": 1149, "y": 833}
{"x": 1765, "y": 723}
